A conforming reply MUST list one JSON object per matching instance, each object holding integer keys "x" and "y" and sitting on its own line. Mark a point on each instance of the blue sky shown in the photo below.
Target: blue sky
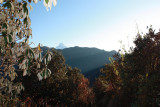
{"x": 93, "y": 23}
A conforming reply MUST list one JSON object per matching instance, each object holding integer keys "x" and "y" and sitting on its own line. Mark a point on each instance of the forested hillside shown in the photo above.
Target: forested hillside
{"x": 88, "y": 60}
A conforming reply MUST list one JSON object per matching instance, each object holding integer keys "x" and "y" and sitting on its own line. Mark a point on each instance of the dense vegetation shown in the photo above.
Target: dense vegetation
{"x": 64, "y": 87}
{"x": 132, "y": 79}
{"x": 88, "y": 60}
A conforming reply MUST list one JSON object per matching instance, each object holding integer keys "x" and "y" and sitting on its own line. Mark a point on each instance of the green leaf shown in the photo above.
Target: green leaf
{"x": 31, "y": 52}
{"x": 12, "y": 45}
{"x": 25, "y": 21}
{"x": 26, "y": 40}
{"x": 111, "y": 59}
{"x": 47, "y": 59}
{"x": 116, "y": 71}
{"x": 7, "y": 4}
{"x": 4, "y": 33}
{"x": 43, "y": 74}
{"x": 26, "y": 64}
{"x": 10, "y": 38}
{"x": 47, "y": 1}
{"x": 21, "y": 58}
{"x": 25, "y": 9}
{"x": 29, "y": 62}
{"x": 4, "y": 25}
{"x": 5, "y": 40}
{"x": 26, "y": 52}
{"x": 28, "y": 71}
{"x": 39, "y": 56}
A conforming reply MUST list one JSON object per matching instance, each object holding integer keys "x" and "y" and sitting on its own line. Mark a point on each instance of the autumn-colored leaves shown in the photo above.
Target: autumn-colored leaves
{"x": 136, "y": 82}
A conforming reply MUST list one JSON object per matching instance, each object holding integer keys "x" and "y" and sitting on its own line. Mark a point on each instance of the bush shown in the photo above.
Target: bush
{"x": 133, "y": 79}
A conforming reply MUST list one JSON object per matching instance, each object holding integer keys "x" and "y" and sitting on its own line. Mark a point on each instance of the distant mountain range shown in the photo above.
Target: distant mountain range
{"x": 89, "y": 60}
{"x": 86, "y": 59}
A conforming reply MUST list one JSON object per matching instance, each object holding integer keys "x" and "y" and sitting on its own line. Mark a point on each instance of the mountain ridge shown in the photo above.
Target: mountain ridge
{"x": 84, "y": 58}
{"x": 88, "y": 60}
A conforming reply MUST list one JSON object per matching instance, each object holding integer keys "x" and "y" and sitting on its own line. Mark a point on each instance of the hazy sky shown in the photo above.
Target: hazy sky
{"x": 93, "y": 23}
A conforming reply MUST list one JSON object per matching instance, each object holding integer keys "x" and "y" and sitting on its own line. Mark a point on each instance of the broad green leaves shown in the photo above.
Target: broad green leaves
{"x": 25, "y": 9}
{"x": 48, "y": 3}
{"x": 7, "y": 4}
{"x": 15, "y": 51}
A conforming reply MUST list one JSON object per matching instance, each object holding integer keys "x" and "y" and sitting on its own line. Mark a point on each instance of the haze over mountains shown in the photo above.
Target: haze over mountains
{"x": 89, "y": 60}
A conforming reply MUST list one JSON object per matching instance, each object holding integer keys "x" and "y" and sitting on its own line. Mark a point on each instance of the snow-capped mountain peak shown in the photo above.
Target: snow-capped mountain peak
{"x": 61, "y": 46}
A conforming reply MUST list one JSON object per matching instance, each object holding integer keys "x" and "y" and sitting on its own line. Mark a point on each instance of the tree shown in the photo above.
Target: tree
{"x": 64, "y": 87}
{"x": 15, "y": 51}
{"x": 132, "y": 79}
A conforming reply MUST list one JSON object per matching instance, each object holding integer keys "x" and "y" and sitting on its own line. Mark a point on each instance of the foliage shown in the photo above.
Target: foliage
{"x": 6, "y": 101}
{"x": 15, "y": 51}
{"x": 133, "y": 79}
{"x": 64, "y": 87}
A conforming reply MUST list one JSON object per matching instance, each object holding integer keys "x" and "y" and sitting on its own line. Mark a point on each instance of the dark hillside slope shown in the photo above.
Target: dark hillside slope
{"x": 86, "y": 59}
{"x": 93, "y": 74}
{"x": 89, "y": 60}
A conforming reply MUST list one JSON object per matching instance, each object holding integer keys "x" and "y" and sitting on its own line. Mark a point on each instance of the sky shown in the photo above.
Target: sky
{"x": 93, "y": 23}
